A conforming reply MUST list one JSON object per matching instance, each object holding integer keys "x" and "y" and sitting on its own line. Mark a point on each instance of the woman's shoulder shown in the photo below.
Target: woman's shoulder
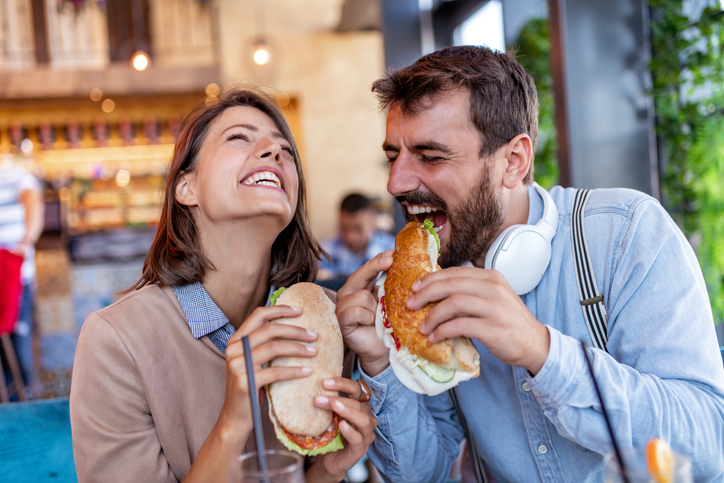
{"x": 150, "y": 305}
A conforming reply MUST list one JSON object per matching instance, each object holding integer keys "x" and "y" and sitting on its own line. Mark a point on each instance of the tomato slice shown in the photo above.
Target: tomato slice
{"x": 306, "y": 442}
{"x": 386, "y": 323}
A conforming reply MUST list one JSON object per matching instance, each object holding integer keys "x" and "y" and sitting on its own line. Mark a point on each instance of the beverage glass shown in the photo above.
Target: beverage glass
{"x": 637, "y": 471}
{"x": 282, "y": 467}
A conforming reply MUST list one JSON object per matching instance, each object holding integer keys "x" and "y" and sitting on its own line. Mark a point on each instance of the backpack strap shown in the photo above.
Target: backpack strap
{"x": 594, "y": 309}
{"x": 475, "y": 458}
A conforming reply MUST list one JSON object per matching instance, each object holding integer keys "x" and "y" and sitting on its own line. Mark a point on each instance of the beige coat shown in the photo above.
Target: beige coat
{"x": 145, "y": 394}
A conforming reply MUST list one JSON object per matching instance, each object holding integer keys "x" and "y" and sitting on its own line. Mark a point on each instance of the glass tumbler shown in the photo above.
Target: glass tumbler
{"x": 282, "y": 467}
{"x": 637, "y": 471}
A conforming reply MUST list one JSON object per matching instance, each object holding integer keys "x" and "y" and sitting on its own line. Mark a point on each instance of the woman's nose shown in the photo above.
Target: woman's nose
{"x": 269, "y": 148}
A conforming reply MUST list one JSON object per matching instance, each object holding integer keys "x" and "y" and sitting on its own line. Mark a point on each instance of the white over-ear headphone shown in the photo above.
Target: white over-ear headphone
{"x": 521, "y": 253}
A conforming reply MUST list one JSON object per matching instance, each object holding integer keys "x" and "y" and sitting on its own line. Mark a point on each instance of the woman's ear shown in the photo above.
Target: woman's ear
{"x": 185, "y": 190}
{"x": 520, "y": 157}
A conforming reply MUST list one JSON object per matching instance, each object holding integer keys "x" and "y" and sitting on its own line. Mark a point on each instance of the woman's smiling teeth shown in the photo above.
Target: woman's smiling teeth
{"x": 266, "y": 178}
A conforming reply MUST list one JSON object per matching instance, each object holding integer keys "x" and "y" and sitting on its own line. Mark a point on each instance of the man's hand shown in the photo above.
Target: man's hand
{"x": 356, "y": 423}
{"x": 480, "y": 304}
{"x": 356, "y": 309}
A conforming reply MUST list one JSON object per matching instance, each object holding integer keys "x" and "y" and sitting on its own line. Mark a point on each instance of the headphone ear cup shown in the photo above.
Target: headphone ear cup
{"x": 491, "y": 256}
{"x": 521, "y": 255}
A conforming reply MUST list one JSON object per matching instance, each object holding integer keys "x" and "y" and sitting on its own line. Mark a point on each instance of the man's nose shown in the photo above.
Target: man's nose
{"x": 403, "y": 176}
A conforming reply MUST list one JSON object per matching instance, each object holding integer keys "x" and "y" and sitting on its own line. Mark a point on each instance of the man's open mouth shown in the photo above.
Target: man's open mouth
{"x": 265, "y": 178}
{"x": 423, "y": 212}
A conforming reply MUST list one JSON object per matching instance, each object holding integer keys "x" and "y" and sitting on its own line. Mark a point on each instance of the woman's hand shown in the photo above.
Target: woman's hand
{"x": 356, "y": 423}
{"x": 267, "y": 341}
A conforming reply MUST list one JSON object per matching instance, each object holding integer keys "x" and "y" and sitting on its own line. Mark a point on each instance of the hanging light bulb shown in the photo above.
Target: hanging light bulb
{"x": 262, "y": 54}
{"x": 140, "y": 60}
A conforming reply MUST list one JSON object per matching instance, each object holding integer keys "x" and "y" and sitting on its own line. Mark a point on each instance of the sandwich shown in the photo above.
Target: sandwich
{"x": 298, "y": 424}
{"x": 422, "y": 366}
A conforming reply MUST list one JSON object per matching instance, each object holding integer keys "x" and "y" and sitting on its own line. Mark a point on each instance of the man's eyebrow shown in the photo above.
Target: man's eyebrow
{"x": 431, "y": 146}
{"x": 389, "y": 147}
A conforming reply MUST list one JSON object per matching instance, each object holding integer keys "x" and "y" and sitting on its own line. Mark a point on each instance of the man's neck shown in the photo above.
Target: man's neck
{"x": 516, "y": 213}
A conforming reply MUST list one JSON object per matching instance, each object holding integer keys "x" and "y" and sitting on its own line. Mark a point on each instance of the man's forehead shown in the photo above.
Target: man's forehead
{"x": 430, "y": 118}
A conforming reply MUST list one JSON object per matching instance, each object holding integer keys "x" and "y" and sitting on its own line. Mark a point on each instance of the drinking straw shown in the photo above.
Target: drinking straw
{"x": 255, "y": 412}
{"x": 605, "y": 416}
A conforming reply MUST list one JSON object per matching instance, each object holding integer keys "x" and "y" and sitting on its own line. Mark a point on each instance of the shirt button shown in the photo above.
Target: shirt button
{"x": 542, "y": 449}
{"x": 526, "y": 387}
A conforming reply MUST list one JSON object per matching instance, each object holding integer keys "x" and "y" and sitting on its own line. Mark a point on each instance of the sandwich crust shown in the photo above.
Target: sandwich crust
{"x": 411, "y": 262}
{"x": 291, "y": 401}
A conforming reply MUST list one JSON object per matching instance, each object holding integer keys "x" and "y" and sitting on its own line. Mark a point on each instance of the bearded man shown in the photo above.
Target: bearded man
{"x": 461, "y": 136}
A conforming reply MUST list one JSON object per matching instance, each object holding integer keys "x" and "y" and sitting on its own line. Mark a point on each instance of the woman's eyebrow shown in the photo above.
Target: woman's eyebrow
{"x": 250, "y": 127}
{"x": 253, "y": 128}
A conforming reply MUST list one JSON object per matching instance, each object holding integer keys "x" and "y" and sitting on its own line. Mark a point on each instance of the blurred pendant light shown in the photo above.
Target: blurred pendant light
{"x": 261, "y": 53}
{"x": 140, "y": 60}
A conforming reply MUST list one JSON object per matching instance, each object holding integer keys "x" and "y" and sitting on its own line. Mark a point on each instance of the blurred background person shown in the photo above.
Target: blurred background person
{"x": 21, "y": 223}
{"x": 358, "y": 241}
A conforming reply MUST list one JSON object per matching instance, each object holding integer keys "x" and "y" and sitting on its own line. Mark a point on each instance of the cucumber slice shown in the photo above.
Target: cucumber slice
{"x": 438, "y": 373}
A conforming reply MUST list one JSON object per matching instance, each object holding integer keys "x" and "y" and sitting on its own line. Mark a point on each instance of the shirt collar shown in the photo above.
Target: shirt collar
{"x": 202, "y": 313}
{"x": 535, "y": 206}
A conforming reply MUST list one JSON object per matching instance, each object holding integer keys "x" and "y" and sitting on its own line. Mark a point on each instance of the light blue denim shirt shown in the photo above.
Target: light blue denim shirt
{"x": 662, "y": 378}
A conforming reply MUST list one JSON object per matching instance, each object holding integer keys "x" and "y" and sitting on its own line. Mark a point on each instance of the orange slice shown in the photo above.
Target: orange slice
{"x": 660, "y": 460}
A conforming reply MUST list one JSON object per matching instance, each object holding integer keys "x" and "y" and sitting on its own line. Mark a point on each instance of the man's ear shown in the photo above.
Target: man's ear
{"x": 184, "y": 191}
{"x": 520, "y": 157}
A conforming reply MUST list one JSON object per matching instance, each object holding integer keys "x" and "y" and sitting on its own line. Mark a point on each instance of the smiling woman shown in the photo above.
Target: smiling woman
{"x": 159, "y": 389}
{"x": 175, "y": 257}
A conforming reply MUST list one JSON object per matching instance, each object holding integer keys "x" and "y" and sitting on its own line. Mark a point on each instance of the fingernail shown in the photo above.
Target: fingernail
{"x": 307, "y": 370}
{"x": 311, "y": 349}
{"x": 423, "y": 329}
{"x": 410, "y": 301}
{"x": 296, "y": 309}
{"x": 322, "y": 399}
{"x": 344, "y": 425}
{"x": 328, "y": 383}
{"x": 416, "y": 285}
{"x": 339, "y": 405}
{"x": 311, "y": 333}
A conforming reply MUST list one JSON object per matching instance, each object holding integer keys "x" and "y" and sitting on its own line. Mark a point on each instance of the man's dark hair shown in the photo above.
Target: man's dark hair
{"x": 354, "y": 202}
{"x": 503, "y": 97}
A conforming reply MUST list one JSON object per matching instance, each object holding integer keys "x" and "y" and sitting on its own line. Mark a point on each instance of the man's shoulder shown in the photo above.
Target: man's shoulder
{"x": 333, "y": 244}
{"x": 384, "y": 237}
{"x": 614, "y": 201}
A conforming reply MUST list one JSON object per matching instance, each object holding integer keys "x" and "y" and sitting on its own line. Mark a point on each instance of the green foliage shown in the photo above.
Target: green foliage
{"x": 533, "y": 52}
{"x": 688, "y": 89}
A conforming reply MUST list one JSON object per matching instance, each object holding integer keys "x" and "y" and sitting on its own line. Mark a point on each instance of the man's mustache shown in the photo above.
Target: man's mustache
{"x": 422, "y": 198}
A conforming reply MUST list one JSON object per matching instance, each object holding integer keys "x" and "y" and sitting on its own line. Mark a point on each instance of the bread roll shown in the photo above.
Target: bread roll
{"x": 410, "y": 262}
{"x": 291, "y": 401}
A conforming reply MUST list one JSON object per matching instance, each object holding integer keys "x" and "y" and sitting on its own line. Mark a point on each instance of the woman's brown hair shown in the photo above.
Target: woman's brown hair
{"x": 176, "y": 257}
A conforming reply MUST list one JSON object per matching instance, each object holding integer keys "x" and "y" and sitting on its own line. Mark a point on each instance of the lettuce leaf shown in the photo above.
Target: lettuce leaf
{"x": 431, "y": 228}
{"x": 334, "y": 445}
{"x": 275, "y": 295}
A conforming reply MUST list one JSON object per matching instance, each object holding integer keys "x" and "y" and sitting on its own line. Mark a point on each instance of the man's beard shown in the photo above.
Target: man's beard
{"x": 472, "y": 226}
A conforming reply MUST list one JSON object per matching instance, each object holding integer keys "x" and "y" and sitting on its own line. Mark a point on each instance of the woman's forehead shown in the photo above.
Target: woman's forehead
{"x": 246, "y": 117}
